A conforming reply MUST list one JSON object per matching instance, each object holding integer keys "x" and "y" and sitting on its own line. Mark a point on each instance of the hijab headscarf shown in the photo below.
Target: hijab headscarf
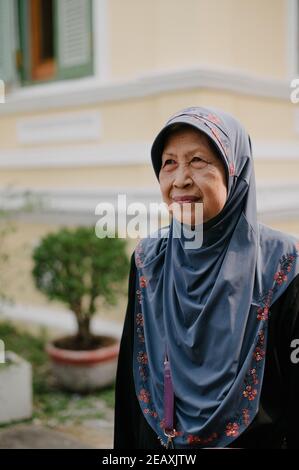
{"x": 209, "y": 306}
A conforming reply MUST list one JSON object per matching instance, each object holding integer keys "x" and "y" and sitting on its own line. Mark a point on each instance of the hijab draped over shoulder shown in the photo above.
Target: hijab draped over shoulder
{"x": 209, "y": 306}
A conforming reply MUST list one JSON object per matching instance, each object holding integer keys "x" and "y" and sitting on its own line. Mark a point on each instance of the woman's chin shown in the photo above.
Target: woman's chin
{"x": 188, "y": 218}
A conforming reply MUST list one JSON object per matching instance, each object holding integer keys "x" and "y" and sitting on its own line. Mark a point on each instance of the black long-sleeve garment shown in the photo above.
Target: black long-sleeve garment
{"x": 277, "y": 422}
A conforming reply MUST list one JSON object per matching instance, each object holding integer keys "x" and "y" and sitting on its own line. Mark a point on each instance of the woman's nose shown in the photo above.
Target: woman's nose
{"x": 182, "y": 176}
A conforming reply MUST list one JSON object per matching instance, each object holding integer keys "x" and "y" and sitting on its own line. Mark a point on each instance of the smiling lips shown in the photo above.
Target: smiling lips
{"x": 185, "y": 199}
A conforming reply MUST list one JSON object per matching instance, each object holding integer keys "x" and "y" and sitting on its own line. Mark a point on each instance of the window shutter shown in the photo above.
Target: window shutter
{"x": 8, "y": 41}
{"x": 74, "y": 38}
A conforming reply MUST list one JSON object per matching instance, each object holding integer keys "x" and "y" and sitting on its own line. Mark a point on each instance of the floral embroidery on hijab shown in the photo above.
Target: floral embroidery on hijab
{"x": 249, "y": 393}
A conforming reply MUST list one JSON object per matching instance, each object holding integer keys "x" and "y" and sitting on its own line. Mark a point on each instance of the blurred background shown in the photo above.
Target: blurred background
{"x": 88, "y": 83}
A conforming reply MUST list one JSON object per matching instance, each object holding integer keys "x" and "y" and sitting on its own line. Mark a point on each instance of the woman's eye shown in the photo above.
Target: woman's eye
{"x": 200, "y": 163}
{"x": 168, "y": 161}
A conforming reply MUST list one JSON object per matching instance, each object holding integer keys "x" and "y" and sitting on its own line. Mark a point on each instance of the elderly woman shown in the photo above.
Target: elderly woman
{"x": 205, "y": 357}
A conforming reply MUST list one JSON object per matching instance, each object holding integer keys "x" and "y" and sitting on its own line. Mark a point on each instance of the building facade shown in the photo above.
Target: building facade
{"x": 88, "y": 83}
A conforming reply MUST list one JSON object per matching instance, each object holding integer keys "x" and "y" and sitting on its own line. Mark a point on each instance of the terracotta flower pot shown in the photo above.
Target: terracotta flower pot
{"x": 84, "y": 371}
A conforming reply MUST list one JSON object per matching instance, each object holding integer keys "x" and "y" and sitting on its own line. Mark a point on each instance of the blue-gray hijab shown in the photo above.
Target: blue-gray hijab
{"x": 209, "y": 306}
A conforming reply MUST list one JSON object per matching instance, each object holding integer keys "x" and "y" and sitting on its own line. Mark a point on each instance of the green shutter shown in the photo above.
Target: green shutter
{"x": 8, "y": 41}
{"x": 74, "y": 38}
{"x": 24, "y": 34}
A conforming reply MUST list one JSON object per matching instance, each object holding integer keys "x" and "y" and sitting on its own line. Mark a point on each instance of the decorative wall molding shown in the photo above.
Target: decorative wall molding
{"x": 92, "y": 91}
{"x": 61, "y": 127}
{"x": 130, "y": 153}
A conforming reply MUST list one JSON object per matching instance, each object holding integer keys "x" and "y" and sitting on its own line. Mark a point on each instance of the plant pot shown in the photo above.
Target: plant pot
{"x": 15, "y": 389}
{"x": 84, "y": 371}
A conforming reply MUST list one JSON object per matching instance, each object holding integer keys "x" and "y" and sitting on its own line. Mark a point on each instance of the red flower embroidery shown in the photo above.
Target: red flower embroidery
{"x": 138, "y": 261}
{"x": 254, "y": 376}
{"x": 139, "y": 296}
{"x": 143, "y": 282}
{"x": 261, "y": 336}
{"x": 250, "y": 393}
{"x": 153, "y": 413}
{"x": 193, "y": 439}
{"x": 263, "y": 313}
{"x": 142, "y": 357}
{"x": 139, "y": 319}
{"x": 200, "y": 440}
{"x": 139, "y": 255}
{"x": 144, "y": 395}
{"x": 258, "y": 354}
{"x": 232, "y": 429}
{"x": 280, "y": 277}
{"x": 231, "y": 169}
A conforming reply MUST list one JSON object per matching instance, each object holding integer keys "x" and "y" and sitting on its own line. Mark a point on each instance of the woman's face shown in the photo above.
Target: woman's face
{"x": 190, "y": 167}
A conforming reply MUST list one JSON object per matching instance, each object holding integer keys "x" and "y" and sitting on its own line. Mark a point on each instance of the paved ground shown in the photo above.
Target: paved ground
{"x": 97, "y": 434}
{"x": 91, "y": 434}
{"x": 41, "y": 437}
{"x": 37, "y": 437}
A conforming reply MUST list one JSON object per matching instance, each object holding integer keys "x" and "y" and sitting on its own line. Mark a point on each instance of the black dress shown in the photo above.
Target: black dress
{"x": 277, "y": 422}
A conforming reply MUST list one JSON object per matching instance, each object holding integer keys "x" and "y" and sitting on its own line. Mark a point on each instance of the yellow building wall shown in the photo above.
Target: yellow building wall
{"x": 235, "y": 34}
{"x": 149, "y": 37}
{"x": 138, "y": 120}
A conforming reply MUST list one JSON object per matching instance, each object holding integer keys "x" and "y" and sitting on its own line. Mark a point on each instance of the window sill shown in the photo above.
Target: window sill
{"x": 40, "y": 93}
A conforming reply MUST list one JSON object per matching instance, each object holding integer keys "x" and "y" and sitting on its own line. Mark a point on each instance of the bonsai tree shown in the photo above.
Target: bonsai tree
{"x": 77, "y": 268}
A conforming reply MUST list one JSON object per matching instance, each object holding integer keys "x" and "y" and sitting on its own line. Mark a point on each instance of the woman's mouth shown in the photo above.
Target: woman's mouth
{"x": 186, "y": 199}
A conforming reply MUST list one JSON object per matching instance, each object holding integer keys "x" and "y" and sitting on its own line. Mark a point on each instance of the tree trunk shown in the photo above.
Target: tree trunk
{"x": 84, "y": 335}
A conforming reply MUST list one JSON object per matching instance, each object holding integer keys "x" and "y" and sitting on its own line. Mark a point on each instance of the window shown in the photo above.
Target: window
{"x": 45, "y": 40}
{"x": 42, "y": 39}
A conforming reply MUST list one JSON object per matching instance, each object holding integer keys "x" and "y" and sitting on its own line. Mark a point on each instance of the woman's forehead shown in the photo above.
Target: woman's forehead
{"x": 186, "y": 140}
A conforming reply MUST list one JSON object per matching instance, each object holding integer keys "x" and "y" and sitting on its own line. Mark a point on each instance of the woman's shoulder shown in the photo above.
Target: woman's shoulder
{"x": 276, "y": 239}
